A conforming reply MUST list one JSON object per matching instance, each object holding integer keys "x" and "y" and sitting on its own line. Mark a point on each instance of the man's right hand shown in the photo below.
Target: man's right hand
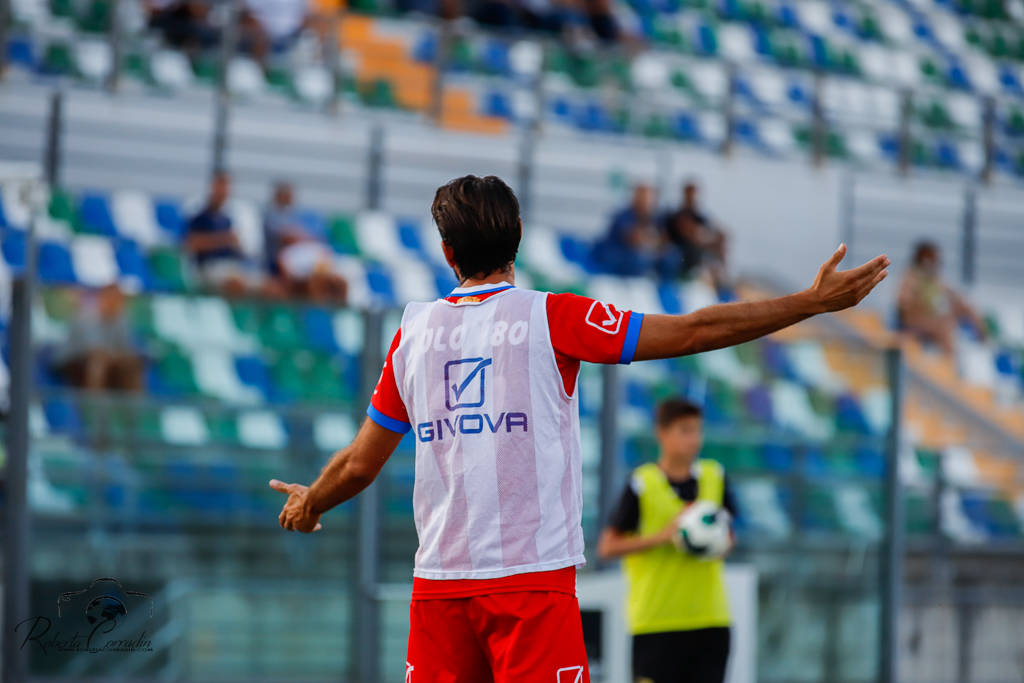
{"x": 834, "y": 290}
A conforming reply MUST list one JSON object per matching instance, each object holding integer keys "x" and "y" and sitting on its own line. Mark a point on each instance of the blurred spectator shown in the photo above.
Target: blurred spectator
{"x": 703, "y": 244}
{"x": 272, "y": 26}
{"x": 634, "y": 244}
{"x": 929, "y": 309}
{"x": 99, "y": 353}
{"x": 576, "y": 21}
{"x": 302, "y": 259}
{"x": 184, "y": 24}
{"x": 211, "y": 240}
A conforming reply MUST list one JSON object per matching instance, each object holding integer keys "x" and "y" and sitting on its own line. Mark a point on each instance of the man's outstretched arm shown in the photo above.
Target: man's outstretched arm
{"x": 349, "y": 471}
{"x": 714, "y": 327}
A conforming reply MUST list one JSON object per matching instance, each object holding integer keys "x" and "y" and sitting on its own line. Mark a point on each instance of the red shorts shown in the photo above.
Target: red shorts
{"x": 528, "y": 636}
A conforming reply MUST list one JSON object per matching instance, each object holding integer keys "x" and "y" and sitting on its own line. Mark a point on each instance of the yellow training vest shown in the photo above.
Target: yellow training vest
{"x": 670, "y": 590}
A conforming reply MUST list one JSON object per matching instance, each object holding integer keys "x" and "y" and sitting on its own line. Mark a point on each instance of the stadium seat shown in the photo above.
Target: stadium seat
{"x": 135, "y": 217}
{"x": 93, "y": 261}
{"x": 183, "y": 426}
{"x": 55, "y": 265}
{"x": 95, "y": 215}
{"x": 245, "y": 78}
{"x": 261, "y": 429}
{"x": 217, "y": 377}
{"x": 858, "y": 512}
{"x": 761, "y": 508}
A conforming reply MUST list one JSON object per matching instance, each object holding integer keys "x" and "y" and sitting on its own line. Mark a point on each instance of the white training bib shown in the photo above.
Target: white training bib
{"x": 498, "y": 468}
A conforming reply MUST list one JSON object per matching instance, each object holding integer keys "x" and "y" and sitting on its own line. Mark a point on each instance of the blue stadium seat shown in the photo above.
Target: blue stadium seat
{"x": 14, "y": 247}
{"x": 55, "y": 264}
{"x": 777, "y": 457}
{"x": 313, "y": 222}
{"x": 577, "y": 251}
{"x": 947, "y": 155}
{"x": 816, "y": 465}
{"x": 849, "y": 415}
{"x": 319, "y": 331}
{"x": 495, "y": 58}
{"x": 425, "y": 49}
{"x": 62, "y": 417}
{"x": 870, "y": 462}
{"x": 707, "y": 43}
{"x": 382, "y": 287}
{"x": 444, "y": 279}
{"x": 409, "y": 235}
{"x": 132, "y": 262}
{"x": 252, "y": 371}
{"x": 21, "y": 51}
{"x": 168, "y": 216}
{"x": 1008, "y": 79}
{"x": 759, "y": 404}
{"x": 497, "y": 103}
{"x": 787, "y": 15}
{"x": 94, "y": 209}
{"x": 776, "y": 360}
{"x": 685, "y": 127}
{"x": 670, "y": 299}
{"x": 593, "y": 116}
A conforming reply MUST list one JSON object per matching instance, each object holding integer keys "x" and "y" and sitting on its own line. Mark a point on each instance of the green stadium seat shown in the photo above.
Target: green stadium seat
{"x": 281, "y": 329}
{"x": 324, "y": 381}
{"x": 820, "y": 514}
{"x": 168, "y": 268}
{"x": 223, "y": 427}
{"x": 62, "y": 208}
{"x": 379, "y": 93}
{"x": 176, "y": 372}
{"x": 341, "y": 232}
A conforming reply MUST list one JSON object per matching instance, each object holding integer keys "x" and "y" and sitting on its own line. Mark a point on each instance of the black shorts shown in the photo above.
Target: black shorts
{"x": 697, "y": 656}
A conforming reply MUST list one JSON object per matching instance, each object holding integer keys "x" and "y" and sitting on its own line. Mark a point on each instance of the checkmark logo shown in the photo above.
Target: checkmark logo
{"x": 570, "y": 674}
{"x": 604, "y": 317}
{"x": 464, "y": 381}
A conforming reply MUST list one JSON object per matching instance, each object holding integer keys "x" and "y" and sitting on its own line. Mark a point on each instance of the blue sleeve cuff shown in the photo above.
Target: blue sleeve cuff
{"x": 632, "y": 337}
{"x": 387, "y": 422}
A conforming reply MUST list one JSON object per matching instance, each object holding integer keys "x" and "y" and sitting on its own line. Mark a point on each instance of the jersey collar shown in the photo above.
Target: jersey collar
{"x": 486, "y": 288}
{"x": 476, "y": 293}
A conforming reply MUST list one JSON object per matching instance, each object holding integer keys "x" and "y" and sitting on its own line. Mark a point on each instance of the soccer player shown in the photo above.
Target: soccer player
{"x": 676, "y": 607}
{"x": 486, "y": 380}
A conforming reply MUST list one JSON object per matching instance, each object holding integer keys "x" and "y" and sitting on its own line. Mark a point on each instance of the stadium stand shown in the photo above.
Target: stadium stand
{"x": 708, "y": 67}
{"x": 251, "y": 356}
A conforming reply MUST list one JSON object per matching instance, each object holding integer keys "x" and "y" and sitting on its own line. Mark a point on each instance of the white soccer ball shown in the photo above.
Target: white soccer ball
{"x": 704, "y": 530}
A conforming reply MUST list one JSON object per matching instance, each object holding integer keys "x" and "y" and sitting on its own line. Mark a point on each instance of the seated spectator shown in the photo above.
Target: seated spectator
{"x": 634, "y": 244}
{"x": 702, "y": 242}
{"x": 211, "y": 241}
{"x": 269, "y": 27}
{"x": 303, "y": 260}
{"x": 927, "y": 308}
{"x": 99, "y": 353}
{"x": 184, "y": 24}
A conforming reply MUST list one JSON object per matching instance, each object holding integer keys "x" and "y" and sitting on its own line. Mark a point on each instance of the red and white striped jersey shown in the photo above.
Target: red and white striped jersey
{"x": 486, "y": 380}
